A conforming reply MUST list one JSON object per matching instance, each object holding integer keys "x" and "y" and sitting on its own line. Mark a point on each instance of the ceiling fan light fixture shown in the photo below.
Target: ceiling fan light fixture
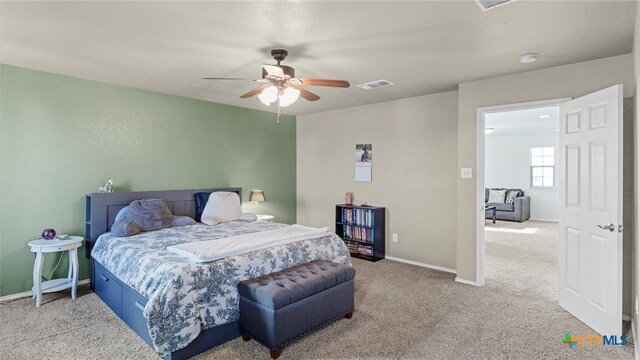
{"x": 289, "y": 96}
{"x": 280, "y": 84}
{"x": 268, "y": 95}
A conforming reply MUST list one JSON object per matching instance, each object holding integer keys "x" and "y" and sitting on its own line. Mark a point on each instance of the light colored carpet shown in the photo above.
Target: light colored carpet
{"x": 402, "y": 311}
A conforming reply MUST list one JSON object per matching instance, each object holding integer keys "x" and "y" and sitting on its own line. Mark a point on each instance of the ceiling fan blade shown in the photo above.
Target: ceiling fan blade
{"x": 255, "y": 91}
{"x": 273, "y": 70}
{"x": 325, "y": 82}
{"x": 308, "y": 95}
{"x": 216, "y": 78}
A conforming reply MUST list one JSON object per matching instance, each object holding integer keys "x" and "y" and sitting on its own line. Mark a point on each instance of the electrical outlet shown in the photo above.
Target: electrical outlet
{"x": 466, "y": 173}
{"x": 395, "y": 237}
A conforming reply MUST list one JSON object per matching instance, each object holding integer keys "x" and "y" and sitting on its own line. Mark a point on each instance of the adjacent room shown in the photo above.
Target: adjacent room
{"x": 522, "y": 201}
{"x": 319, "y": 180}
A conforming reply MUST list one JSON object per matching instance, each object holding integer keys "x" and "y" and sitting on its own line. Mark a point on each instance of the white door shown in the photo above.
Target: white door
{"x": 590, "y": 283}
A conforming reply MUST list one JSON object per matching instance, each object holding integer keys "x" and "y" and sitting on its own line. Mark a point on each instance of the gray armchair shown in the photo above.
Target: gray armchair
{"x": 519, "y": 211}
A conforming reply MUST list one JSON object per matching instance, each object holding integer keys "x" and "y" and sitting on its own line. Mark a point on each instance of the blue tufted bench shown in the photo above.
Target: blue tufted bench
{"x": 277, "y": 308}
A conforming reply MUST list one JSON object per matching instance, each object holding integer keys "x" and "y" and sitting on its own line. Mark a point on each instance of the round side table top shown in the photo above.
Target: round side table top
{"x": 55, "y": 242}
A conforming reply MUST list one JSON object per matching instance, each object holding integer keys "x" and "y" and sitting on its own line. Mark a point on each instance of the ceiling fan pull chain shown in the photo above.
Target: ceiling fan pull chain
{"x": 279, "y": 112}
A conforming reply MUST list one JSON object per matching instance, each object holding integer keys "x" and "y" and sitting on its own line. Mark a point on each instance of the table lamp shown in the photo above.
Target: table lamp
{"x": 257, "y": 196}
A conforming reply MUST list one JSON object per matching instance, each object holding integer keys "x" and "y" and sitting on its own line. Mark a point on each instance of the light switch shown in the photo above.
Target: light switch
{"x": 465, "y": 173}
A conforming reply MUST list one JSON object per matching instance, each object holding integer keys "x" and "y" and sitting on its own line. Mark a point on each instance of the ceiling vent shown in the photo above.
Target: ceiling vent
{"x": 490, "y": 4}
{"x": 374, "y": 84}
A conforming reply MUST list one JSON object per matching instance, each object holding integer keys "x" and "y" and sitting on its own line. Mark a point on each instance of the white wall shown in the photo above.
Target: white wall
{"x": 507, "y": 166}
{"x": 414, "y": 171}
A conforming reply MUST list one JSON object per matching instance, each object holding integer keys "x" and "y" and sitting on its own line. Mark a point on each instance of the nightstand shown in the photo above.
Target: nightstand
{"x": 40, "y": 247}
{"x": 265, "y": 217}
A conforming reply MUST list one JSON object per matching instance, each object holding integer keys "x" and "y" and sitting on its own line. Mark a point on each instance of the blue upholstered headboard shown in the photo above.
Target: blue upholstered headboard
{"x": 102, "y": 208}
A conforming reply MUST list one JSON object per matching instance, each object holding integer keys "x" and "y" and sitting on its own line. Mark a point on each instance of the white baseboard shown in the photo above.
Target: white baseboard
{"x": 544, "y": 220}
{"x": 417, "y": 263}
{"x": 29, "y": 293}
{"x": 467, "y": 282}
{"x": 636, "y": 349}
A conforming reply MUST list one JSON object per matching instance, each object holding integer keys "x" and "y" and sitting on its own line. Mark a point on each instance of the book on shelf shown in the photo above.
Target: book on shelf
{"x": 360, "y": 249}
{"x": 365, "y": 250}
{"x": 358, "y": 233}
{"x": 358, "y": 217}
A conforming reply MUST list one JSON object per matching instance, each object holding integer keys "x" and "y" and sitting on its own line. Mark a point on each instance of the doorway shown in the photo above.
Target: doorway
{"x": 590, "y": 204}
{"x": 499, "y": 117}
{"x": 521, "y": 188}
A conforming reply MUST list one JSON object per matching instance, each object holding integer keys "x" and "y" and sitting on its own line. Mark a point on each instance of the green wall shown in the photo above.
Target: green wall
{"x": 61, "y": 137}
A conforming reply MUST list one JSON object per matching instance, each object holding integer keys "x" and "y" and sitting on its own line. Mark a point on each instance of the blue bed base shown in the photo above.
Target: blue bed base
{"x": 125, "y": 301}
{"x": 128, "y": 304}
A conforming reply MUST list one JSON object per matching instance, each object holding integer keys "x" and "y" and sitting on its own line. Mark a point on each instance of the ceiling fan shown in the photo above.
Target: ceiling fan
{"x": 281, "y": 85}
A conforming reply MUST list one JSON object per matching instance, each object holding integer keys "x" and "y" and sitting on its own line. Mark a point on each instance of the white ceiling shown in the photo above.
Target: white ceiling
{"x": 421, "y": 46}
{"x": 522, "y": 122}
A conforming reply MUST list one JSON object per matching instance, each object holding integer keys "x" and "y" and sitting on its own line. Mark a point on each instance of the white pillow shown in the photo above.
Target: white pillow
{"x": 247, "y": 216}
{"x": 221, "y": 207}
{"x": 496, "y": 196}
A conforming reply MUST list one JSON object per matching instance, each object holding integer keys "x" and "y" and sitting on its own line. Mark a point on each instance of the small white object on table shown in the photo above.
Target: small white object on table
{"x": 265, "y": 217}
{"x": 42, "y": 246}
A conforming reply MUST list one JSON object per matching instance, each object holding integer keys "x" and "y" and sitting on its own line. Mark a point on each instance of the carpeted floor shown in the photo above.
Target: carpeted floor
{"x": 402, "y": 311}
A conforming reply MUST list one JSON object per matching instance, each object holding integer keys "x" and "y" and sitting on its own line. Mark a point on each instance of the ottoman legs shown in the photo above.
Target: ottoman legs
{"x": 276, "y": 353}
{"x": 348, "y": 315}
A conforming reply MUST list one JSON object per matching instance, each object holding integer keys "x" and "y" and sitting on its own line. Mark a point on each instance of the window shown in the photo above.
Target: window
{"x": 543, "y": 167}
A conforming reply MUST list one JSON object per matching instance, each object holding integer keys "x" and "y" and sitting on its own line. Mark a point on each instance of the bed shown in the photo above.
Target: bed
{"x": 179, "y": 307}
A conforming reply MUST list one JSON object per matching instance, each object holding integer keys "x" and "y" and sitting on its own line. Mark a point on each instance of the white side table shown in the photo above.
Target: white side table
{"x": 40, "y": 247}
{"x": 265, "y": 217}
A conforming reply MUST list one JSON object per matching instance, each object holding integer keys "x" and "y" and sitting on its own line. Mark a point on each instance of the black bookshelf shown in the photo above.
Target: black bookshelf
{"x": 363, "y": 230}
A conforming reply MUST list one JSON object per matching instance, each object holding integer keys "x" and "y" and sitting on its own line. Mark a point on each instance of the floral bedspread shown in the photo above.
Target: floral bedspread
{"x": 186, "y": 297}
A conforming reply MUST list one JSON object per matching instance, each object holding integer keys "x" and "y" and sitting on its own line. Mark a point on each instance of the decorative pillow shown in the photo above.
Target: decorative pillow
{"x": 201, "y": 199}
{"x": 182, "y": 221}
{"x": 222, "y": 206}
{"x": 121, "y": 213}
{"x": 125, "y": 228}
{"x": 513, "y": 194}
{"x": 248, "y": 217}
{"x": 143, "y": 215}
{"x": 497, "y": 196}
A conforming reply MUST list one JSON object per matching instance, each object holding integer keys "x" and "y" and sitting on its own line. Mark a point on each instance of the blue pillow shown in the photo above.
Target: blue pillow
{"x": 201, "y": 199}
{"x": 182, "y": 221}
{"x": 143, "y": 215}
{"x": 121, "y": 214}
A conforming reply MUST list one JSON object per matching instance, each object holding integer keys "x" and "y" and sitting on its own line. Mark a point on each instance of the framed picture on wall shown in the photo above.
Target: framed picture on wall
{"x": 364, "y": 157}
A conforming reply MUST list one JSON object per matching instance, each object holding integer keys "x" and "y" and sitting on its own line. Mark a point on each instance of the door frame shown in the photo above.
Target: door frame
{"x": 481, "y": 112}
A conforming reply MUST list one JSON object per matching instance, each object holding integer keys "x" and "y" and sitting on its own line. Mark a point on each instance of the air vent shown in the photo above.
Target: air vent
{"x": 374, "y": 84}
{"x": 490, "y": 4}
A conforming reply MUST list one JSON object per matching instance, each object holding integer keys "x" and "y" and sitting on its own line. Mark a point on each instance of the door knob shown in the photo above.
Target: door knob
{"x": 609, "y": 227}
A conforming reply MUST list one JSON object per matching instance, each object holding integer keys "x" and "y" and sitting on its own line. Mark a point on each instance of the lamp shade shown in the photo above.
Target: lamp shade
{"x": 257, "y": 195}
{"x": 289, "y": 96}
{"x": 268, "y": 95}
